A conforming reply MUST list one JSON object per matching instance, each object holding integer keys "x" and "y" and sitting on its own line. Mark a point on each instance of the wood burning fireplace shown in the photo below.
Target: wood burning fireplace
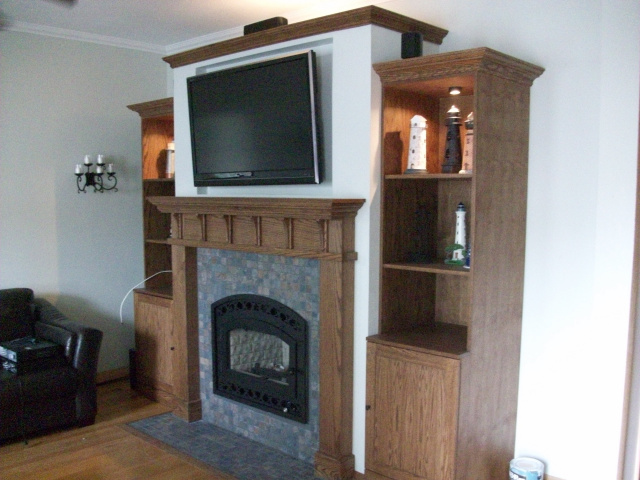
{"x": 322, "y": 229}
{"x": 260, "y": 355}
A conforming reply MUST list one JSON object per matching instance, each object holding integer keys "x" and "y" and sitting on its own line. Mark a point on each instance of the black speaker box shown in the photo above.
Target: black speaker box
{"x": 265, "y": 25}
{"x": 411, "y": 44}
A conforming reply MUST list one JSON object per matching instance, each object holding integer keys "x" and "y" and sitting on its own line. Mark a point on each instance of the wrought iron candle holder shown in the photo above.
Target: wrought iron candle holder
{"x": 95, "y": 179}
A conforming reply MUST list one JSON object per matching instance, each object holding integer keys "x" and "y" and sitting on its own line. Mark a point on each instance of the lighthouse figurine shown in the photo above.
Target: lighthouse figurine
{"x": 417, "y": 159}
{"x": 467, "y": 154}
{"x": 452, "y": 155}
{"x": 457, "y": 250}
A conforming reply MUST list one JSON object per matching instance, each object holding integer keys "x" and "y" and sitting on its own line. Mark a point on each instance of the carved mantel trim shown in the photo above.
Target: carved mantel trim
{"x": 302, "y": 227}
{"x": 295, "y": 227}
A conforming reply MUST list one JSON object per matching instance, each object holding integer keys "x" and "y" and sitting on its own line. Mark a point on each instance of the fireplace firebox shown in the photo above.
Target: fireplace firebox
{"x": 260, "y": 355}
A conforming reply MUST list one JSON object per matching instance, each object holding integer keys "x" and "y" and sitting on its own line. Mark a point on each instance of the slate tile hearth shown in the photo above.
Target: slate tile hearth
{"x": 231, "y": 453}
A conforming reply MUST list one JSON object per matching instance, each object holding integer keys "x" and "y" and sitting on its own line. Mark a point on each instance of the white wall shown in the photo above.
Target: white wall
{"x": 582, "y": 180}
{"x": 62, "y": 99}
{"x": 582, "y": 165}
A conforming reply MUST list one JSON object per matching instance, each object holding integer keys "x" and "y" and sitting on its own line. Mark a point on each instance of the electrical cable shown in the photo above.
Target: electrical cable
{"x": 135, "y": 286}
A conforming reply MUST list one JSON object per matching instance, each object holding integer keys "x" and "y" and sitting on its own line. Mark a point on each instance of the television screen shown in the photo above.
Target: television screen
{"x": 256, "y": 124}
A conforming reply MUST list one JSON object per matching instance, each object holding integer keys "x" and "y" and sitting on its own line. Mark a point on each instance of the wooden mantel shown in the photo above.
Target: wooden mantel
{"x": 302, "y": 227}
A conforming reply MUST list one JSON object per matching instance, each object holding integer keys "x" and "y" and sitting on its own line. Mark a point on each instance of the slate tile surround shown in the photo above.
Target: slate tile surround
{"x": 291, "y": 281}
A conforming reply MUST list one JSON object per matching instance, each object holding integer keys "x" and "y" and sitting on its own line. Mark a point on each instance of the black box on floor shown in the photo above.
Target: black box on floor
{"x": 29, "y": 348}
{"x": 265, "y": 25}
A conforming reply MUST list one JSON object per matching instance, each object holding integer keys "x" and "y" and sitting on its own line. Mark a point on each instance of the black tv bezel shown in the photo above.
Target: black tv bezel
{"x": 301, "y": 176}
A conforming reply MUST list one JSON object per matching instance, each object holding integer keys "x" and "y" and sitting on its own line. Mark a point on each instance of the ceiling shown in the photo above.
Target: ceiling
{"x": 163, "y": 26}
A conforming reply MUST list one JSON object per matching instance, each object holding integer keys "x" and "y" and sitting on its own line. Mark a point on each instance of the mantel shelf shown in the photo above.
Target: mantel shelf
{"x": 298, "y": 227}
{"x": 302, "y": 208}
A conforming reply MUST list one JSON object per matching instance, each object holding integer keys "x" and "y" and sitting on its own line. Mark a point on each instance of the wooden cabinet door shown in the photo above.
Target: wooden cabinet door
{"x": 412, "y": 401}
{"x": 154, "y": 343}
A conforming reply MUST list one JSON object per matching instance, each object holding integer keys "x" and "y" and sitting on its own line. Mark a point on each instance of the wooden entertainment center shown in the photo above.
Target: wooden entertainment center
{"x": 442, "y": 373}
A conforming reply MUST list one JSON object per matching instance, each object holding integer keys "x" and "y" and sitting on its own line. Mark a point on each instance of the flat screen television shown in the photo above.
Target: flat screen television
{"x": 256, "y": 124}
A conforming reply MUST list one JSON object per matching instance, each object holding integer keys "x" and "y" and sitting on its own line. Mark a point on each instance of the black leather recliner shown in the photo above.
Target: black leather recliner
{"x": 54, "y": 397}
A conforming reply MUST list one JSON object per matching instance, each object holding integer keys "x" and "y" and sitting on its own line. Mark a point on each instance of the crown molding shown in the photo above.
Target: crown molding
{"x": 25, "y": 27}
{"x": 204, "y": 40}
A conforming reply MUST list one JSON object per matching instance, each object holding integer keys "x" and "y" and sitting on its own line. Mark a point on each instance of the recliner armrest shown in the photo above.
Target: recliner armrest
{"x": 88, "y": 339}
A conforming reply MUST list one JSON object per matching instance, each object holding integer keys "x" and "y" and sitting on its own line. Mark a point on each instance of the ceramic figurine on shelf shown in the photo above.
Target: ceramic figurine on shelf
{"x": 467, "y": 154}
{"x": 417, "y": 159}
{"x": 452, "y": 156}
{"x": 457, "y": 250}
{"x": 467, "y": 261}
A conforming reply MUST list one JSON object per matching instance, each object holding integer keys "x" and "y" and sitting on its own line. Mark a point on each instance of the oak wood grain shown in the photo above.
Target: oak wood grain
{"x": 431, "y": 309}
{"x": 154, "y": 342}
{"x": 370, "y": 15}
{"x": 412, "y": 414}
{"x": 107, "y": 449}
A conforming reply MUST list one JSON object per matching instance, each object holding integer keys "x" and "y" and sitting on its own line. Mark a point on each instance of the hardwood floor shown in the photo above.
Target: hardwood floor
{"x": 108, "y": 449}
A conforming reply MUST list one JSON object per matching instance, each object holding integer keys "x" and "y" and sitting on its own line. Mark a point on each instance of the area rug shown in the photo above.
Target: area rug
{"x": 223, "y": 450}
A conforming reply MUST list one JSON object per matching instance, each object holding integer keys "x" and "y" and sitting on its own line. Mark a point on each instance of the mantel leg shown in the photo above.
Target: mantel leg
{"x": 186, "y": 367}
{"x": 334, "y": 459}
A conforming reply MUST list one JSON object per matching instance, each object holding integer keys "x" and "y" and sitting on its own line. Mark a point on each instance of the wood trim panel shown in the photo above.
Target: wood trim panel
{"x": 370, "y": 15}
{"x": 309, "y": 208}
{"x": 186, "y": 366}
{"x": 155, "y": 108}
{"x": 276, "y": 226}
{"x": 334, "y": 458}
{"x": 412, "y": 405}
{"x": 460, "y": 63}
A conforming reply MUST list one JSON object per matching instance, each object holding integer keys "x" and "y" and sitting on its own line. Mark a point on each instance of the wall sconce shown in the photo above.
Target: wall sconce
{"x": 95, "y": 179}
{"x": 455, "y": 90}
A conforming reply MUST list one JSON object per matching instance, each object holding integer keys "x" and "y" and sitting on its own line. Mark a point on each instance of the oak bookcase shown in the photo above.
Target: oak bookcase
{"x": 442, "y": 373}
{"x": 152, "y": 304}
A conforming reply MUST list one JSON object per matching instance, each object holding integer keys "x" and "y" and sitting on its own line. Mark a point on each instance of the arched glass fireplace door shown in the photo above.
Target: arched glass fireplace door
{"x": 260, "y": 354}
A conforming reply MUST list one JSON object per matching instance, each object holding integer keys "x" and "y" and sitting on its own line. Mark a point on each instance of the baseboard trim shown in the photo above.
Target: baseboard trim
{"x": 111, "y": 375}
{"x": 362, "y": 476}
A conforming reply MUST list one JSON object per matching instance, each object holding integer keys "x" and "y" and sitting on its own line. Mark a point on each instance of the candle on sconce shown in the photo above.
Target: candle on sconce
{"x": 86, "y": 176}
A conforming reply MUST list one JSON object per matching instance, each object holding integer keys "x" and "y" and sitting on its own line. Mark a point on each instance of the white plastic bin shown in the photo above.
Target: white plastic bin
{"x": 525, "y": 468}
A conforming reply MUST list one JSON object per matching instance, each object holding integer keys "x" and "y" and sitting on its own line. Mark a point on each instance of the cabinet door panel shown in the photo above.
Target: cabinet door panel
{"x": 412, "y": 420}
{"x": 154, "y": 341}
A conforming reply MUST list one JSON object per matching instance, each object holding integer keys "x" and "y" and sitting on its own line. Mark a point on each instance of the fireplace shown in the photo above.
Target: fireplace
{"x": 296, "y": 228}
{"x": 260, "y": 355}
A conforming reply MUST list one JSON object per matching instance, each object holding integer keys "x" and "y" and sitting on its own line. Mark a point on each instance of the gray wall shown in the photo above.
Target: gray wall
{"x": 62, "y": 99}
